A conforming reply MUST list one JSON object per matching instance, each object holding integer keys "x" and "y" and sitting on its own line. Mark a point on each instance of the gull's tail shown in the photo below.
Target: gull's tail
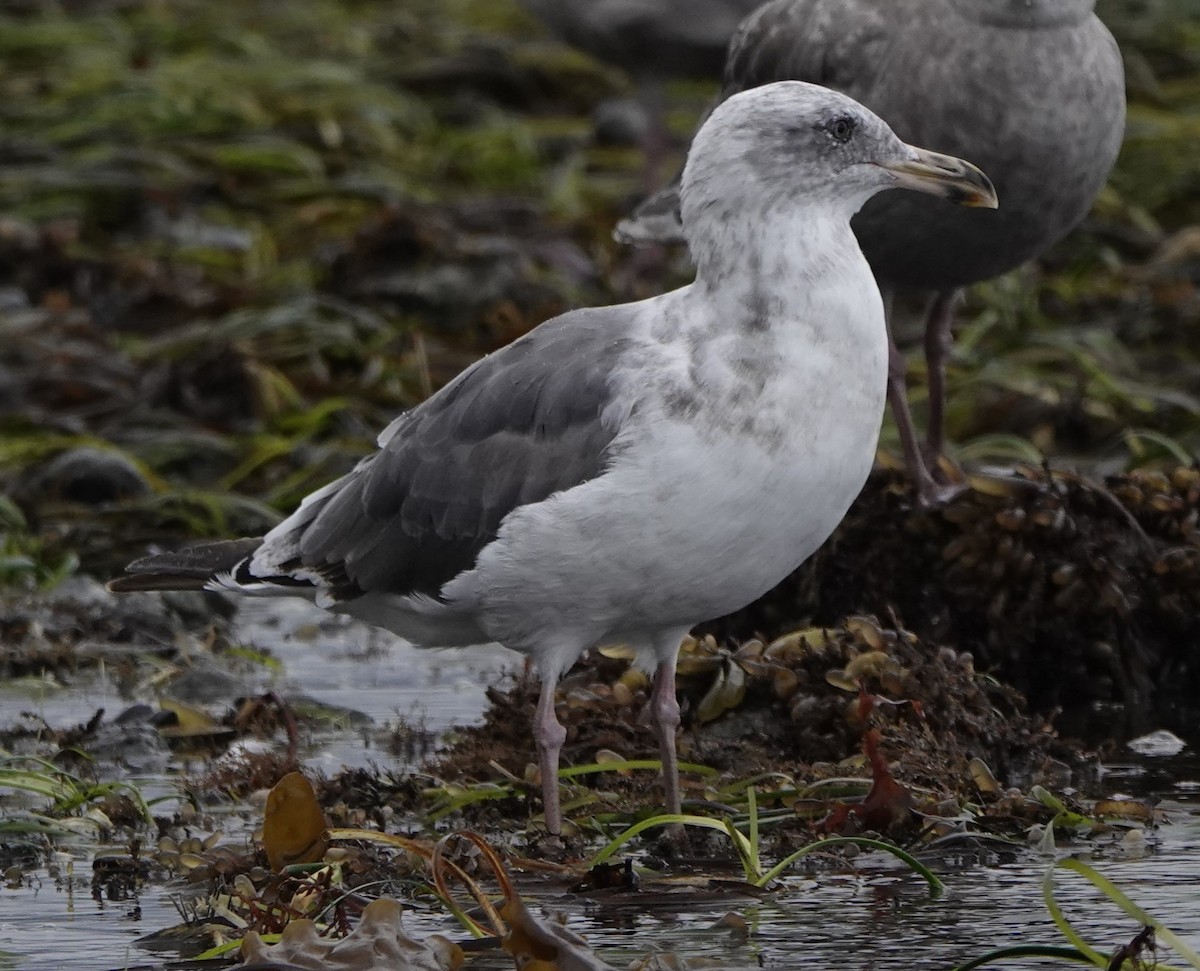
{"x": 189, "y": 568}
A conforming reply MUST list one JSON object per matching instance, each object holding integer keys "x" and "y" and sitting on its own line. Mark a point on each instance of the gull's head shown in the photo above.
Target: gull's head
{"x": 797, "y": 146}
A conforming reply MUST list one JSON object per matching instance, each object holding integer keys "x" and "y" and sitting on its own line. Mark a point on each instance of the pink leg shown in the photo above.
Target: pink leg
{"x": 897, "y": 392}
{"x": 549, "y": 735}
{"x": 664, "y": 710}
{"x": 938, "y": 341}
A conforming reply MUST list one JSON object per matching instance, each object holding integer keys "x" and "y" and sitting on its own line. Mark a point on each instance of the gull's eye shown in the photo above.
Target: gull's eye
{"x": 841, "y": 128}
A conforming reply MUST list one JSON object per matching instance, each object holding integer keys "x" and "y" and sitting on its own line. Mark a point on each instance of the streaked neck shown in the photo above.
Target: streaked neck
{"x": 781, "y": 252}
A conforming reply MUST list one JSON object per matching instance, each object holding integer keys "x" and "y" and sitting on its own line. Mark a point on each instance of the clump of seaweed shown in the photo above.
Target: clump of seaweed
{"x": 1071, "y": 589}
{"x": 795, "y": 708}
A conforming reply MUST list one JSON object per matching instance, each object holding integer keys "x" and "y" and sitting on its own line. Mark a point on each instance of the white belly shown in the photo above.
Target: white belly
{"x": 693, "y": 520}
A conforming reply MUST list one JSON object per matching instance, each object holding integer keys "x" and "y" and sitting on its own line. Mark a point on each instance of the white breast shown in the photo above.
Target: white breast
{"x": 708, "y": 503}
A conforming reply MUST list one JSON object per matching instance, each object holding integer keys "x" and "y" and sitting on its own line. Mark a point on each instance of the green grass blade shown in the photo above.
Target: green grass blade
{"x": 752, "y": 809}
{"x": 1056, "y": 952}
{"x": 469, "y": 797}
{"x": 40, "y": 784}
{"x": 740, "y": 843}
{"x": 1110, "y": 890}
{"x": 736, "y": 788}
{"x": 936, "y": 887}
{"x": 593, "y": 767}
{"x": 1064, "y": 925}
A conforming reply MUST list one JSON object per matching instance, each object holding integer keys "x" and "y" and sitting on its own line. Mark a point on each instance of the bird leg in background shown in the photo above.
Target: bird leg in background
{"x": 664, "y": 712}
{"x": 656, "y": 143}
{"x": 549, "y": 734}
{"x": 938, "y": 342}
{"x": 897, "y": 392}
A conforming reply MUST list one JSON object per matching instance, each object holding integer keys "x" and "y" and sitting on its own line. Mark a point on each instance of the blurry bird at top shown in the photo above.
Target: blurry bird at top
{"x": 1032, "y": 91}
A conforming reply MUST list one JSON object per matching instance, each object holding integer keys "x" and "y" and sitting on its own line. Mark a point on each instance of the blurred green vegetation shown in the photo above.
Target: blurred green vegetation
{"x": 237, "y": 238}
{"x": 24, "y": 562}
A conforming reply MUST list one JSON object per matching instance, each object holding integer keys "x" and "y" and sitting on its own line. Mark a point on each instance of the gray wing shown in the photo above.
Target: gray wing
{"x": 841, "y": 44}
{"x": 519, "y": 425}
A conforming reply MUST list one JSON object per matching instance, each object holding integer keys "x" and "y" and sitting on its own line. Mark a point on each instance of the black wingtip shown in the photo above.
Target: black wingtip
{"x": 188, "y": 568}
{"x": 141, "y": 582}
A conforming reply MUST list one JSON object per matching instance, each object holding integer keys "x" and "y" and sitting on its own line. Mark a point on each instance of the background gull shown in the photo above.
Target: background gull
{"x": 1032, "y": 91}
{"x": 620, "y": 474}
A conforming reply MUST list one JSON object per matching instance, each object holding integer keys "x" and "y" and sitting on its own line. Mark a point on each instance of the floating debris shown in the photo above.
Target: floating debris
{"x": 378, "y": 943}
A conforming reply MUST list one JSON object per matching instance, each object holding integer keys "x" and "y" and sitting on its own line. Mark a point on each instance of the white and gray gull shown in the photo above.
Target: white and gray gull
{"x": 620, "y": 474}
{"x": 1032, "y": 91}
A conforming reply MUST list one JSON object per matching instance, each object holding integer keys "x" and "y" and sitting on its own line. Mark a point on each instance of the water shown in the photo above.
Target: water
{"x": 349, "y": 665}
{"x": 877, "y": 916}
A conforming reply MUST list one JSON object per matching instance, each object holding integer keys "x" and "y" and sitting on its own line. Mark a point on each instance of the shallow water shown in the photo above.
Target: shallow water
{"x": 350, "y": 665}
{"x": 877, "y": 916}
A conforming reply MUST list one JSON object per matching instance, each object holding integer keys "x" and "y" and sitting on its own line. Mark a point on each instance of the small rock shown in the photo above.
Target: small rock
{"x": 206, "y": 683}
{"x": 1158, "y": 744}
{"x": 13, "y": 299}
{"x": 133, "y": 745}
{"x": 88, "y": 475}
{"x": 620, "y": 121}
{"x": 1133, "y": 843}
